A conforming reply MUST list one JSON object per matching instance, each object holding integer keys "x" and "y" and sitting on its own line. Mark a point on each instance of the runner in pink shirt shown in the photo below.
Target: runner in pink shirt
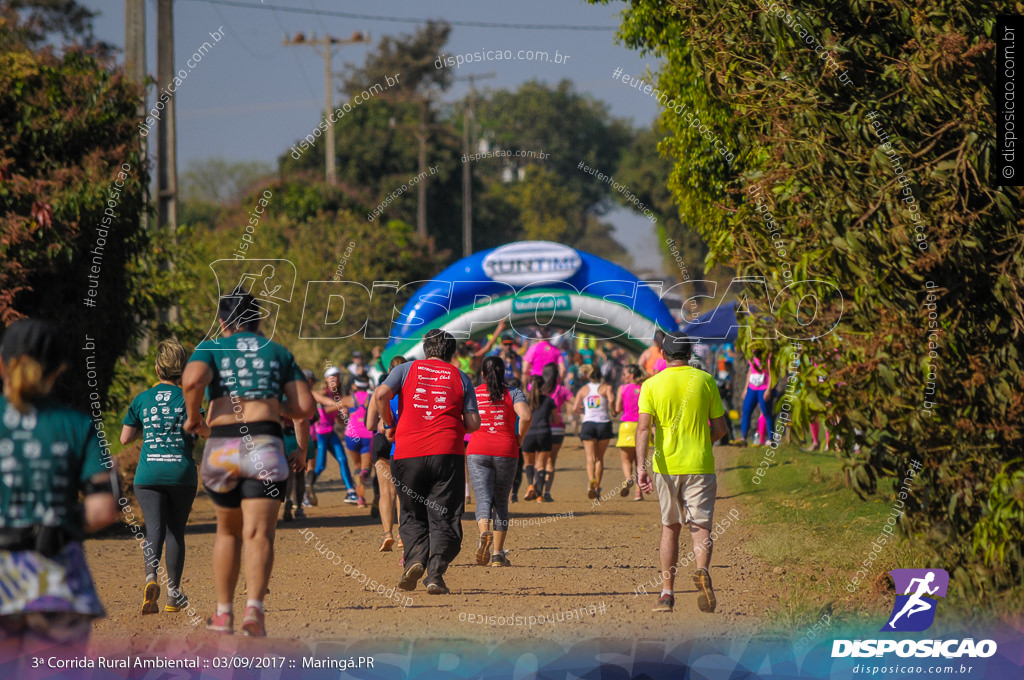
{"x": 540, "y": 354}
{"x": 561, "y": 395}
{"x": 627, "y": 402}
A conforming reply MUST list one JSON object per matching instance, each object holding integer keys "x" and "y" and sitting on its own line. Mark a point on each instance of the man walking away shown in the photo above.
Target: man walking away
{"x": 436, "y": 406}
{"x": 679, "y": 401}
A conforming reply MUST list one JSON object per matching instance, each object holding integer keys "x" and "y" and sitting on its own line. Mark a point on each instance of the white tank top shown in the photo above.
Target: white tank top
{"x": 595, "y": 406}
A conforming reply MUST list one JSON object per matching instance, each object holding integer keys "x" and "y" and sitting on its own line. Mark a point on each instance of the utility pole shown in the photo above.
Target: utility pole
{"x": 468, "y": 121}
{"x": 328, "y": 42}
{"x": 421, "y": 188}
{"x": 167, "y": 162}
{"x": 135, "y": 69}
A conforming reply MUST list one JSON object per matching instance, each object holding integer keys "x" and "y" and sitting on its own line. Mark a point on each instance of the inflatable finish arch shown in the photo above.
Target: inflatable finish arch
{"x": 533, "y": 283}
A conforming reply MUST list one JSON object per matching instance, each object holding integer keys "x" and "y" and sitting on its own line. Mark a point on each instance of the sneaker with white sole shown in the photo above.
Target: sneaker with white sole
{"x": 221, "y": 623}
{"x": 253, "y": 625}
{"x": 411, "y": 576}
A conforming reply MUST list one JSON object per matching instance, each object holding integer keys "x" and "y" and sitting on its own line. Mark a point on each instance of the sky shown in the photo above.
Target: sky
{"x": 251, "y": 97}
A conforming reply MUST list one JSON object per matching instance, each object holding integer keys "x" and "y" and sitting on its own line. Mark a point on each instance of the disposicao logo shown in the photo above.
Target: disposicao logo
{"x": 914, "y": 611}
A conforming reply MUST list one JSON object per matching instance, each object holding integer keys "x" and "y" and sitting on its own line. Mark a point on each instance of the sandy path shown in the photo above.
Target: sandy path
{"x": 594, "y": 559}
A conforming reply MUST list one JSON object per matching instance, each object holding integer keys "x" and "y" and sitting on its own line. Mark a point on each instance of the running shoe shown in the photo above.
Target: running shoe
{"x": 411, "y": 576}
{"x": 624, "y": 491}
{"x": 176, "y": 604}
{"x": 150, "y": 595}
{"x": 252, "y": 624}
{"x": 514, "y": 498}
{"x": 531, "y": 493}
{"x": 306, "y": 502}
{"x": 592, "y": 491}
{"x": 398, "y": 542}
{"x": 483, "y": 548}
{"x": 386, "y": 542}
{"x": 375, "y": 510}
{"x": 437, "y": 586}
{"x": 540, "y": 499}
{"x": 500, "y": 560}
{"x": 311, "y": 495}
{"x": 361, "y": 502}
{"x": 639, "y": 496}
{"x": 351, "y": 497}
{"x": 300, "y": 513}
{"x": 665, "y": 603}
{"x": 705, "y": 593}
{"x": 221, "y": 623}
{"x": 288, "y": 517}
{"x": 810, "y": 448}
{"x": 548, "y": 498}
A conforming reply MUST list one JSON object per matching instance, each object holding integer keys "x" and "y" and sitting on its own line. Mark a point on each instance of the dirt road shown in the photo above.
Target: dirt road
{"x": 581, "y": 570}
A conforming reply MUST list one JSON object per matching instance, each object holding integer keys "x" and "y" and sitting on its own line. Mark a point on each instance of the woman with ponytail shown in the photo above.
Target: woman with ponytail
{"x": 492, "y": 456}
{"x": 49, "y": 455}
{"x": 166, "y": 478}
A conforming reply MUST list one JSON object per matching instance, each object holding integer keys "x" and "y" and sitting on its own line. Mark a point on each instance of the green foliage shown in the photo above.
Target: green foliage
{"x": 67, "y": 126}
{"x": 808, "y": 141}
{"x": 568, "y": 126}
{"x": 215, "y": 180}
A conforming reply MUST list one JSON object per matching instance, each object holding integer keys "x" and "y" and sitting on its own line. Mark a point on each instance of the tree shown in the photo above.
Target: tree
{"x": 71, "y": 195}
{"x": 928, "y": 364}
{"x": 215, "y": 180}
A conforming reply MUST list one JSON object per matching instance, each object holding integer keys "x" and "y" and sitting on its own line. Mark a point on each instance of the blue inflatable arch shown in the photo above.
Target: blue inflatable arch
{"x": 533, "y": 283}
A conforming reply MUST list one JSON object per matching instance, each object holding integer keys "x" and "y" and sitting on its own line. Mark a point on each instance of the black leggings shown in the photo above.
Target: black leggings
{"x": 166, "y": 510}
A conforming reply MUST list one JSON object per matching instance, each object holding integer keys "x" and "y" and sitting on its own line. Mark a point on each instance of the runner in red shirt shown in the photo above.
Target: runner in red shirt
{"x": 493, "y": 454}
{"x": 436, "y": 408}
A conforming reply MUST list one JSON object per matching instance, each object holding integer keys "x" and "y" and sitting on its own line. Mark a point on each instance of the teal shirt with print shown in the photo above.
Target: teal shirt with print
{"x": 247, "y": 365}
{"x": 45, "y": 456}
{"x": 166, "y": 456}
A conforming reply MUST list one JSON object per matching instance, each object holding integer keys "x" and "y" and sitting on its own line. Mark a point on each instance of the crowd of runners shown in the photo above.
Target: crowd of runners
{"x": 415, "y": 443}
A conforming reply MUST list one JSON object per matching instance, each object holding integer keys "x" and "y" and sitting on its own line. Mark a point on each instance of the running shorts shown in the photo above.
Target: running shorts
{"x": 687, "y": 499}
{"x": 358, "y": 444}
{"x": 598, "y": 431}
{"x": 232, "y": 457}
{"x": 627, "y": 434}
{"x": 380, "y": 447}
{"x": 557, "y": 436}
{"x": 534, "y": 443}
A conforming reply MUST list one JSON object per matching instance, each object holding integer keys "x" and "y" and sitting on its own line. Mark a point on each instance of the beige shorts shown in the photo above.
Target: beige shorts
{"x": 686, "y": 499}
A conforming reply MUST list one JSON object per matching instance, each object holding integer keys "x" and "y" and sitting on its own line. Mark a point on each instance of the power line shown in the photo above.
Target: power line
{"x": 409, "y": 20}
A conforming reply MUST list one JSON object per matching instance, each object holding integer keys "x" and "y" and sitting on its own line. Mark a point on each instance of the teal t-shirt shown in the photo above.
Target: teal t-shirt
{"x": 249, "y": 365}
{"x": 166, "y": 456}
{"x": 45, "y": 456}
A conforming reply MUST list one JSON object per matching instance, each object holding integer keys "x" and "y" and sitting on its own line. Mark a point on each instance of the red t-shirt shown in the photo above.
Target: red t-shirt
{"x": 430, "y": 411}
{"x": 497, "y": 433}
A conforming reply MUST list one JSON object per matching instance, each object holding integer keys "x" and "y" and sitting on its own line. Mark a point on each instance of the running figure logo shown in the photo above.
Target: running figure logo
{"x": 271, "y": 282}
{"x": 914, "y": 610}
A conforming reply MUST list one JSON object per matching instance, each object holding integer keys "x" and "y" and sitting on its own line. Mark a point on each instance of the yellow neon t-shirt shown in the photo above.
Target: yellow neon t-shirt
{"x": 681, "y": 400}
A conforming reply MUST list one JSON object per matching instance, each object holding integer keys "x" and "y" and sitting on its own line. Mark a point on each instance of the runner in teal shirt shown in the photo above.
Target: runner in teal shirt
{"x": 166, "y": 479}
{"x": 49, "y": 454}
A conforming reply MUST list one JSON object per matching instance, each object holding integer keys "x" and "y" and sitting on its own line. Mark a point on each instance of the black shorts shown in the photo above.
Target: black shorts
{"x": 248, "y": 488}
{"x": 598, "y": 431}
{"x": 534, "y": 443}
{"x": 380, "y": 447}
{"x": 558, "y": 439}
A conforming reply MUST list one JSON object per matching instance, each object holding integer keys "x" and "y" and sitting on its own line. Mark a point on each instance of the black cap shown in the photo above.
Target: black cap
{"x": 33, "y": 338}
{"x": 677, "y": 346}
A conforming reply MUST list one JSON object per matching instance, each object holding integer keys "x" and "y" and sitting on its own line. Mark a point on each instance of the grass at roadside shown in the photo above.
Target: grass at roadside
{"x": 815, "y": 533}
